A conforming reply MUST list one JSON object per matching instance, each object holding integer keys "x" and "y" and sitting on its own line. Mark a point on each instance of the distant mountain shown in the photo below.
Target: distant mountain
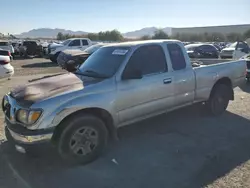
{"x": 52, "y": 33}
{"x": 47, "y": 33}
{"x": 145, "y": 31}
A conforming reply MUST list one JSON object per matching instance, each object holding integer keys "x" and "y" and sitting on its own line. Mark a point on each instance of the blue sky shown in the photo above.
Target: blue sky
{"x": 127, "y": 15}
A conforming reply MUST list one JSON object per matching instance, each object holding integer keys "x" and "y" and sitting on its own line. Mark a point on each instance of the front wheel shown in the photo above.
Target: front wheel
{"x": 218, "y": 100}
{"x": 82, "y": 139}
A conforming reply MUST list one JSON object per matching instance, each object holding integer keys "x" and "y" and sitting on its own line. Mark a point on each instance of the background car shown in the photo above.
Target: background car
{"x": 235, "y": 50}
{"x": 6, "y": 70}
{"x": 30, "y": 48}
{"x": 6, "y": 45}
{"x": 71, "y": 59}
{"x": 202, "y": 51}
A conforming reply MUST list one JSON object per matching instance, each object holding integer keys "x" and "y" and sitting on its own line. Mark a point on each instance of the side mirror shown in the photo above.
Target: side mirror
{"x": 133, "y": 74}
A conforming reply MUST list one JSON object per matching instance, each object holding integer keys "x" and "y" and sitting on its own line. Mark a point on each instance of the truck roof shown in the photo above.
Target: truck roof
{"x": 78, "y": 38}
{"x": 135, "y": 43}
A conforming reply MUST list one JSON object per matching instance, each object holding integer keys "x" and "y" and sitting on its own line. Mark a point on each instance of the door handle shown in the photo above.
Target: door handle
{"x": 167, "y": 80}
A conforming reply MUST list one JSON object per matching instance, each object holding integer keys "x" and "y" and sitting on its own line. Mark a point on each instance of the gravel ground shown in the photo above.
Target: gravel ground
{"x": 184, "y": 148}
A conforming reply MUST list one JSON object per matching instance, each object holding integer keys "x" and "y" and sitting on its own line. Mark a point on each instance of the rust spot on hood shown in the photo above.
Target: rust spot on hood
{"x": 47, "y": 87}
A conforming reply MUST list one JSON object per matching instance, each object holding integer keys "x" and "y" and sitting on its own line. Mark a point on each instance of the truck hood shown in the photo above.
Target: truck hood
{"x": 55, "y": 45}
{"x": 46, "y": 87}
{"x": 75, "y": 52}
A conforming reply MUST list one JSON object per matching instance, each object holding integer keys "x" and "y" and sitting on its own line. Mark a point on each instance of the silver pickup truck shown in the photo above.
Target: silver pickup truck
{"x": 118, "y": 85}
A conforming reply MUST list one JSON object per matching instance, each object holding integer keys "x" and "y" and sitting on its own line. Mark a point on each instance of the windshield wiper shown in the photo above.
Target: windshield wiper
{"x": 95, "y": 74}
{"x": 91, "y": 73}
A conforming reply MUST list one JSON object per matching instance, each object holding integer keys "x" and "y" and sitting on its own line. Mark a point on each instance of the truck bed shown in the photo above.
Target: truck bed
{"x": 209, "y": 61}
{"x": 206, "y": 76}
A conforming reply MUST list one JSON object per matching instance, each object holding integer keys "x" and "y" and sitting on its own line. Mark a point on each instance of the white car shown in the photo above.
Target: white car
{"x": 235, "y": 50}
{"x": 6, "y": 69}
{"x": 6, "y": 45}
{"x": 73, "y": 43}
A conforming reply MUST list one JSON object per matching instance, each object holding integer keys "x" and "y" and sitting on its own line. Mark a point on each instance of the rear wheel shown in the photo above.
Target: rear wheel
{"x": 219, "y": 99}
{"x": 82, "y": 139}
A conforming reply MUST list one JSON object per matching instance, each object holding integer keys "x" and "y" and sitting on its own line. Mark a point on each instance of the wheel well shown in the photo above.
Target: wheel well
{"x": 104, "y": 115}
{"x": 225, "y": 81}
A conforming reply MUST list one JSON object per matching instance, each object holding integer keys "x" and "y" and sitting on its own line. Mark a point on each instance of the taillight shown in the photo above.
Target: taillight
{"x": 4, "y": 62}
{"x": 9, "y": 53}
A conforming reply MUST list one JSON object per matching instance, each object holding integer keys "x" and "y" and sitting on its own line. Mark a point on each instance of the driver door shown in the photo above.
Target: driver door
{"x": 149, "y": 95}
{"x": 75, "y": 44}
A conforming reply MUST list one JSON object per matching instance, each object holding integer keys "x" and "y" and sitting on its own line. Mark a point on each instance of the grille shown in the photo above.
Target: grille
{"x": 6, "y": 108}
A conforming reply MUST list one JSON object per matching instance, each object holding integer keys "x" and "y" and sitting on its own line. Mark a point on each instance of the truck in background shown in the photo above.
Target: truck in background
{"x": 70, "y": 44}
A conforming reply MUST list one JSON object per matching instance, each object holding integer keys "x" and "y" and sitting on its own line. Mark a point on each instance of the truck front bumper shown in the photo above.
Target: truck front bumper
{"x": 22, "y": 135}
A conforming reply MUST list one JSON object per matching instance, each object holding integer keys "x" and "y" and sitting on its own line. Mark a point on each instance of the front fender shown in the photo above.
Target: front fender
{"x": 104, "y": 102}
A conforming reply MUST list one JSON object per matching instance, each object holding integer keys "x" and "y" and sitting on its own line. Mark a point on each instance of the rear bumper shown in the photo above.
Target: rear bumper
{"x": 8, "y": 71}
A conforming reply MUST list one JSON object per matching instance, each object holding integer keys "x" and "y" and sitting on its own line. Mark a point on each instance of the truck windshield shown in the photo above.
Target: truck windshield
{"x": 104, "y": 62}
{"x": 66, "y": 42}
{"x": 4, "y": 43}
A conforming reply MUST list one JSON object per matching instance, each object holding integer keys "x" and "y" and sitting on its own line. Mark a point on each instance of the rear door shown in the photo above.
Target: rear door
{"x": 183, "y": 77}
{"x": 153, "y": 93}
{"x": 75, "y": 44}
{"x": 85, "y": 44}
{"x": 211, "y": 51}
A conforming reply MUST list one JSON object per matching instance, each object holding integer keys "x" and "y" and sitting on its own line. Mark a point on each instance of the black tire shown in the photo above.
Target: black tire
{"x": 55, "y": 57}
{"x": 218, "y": 100}
{"x": 69, "y": 147}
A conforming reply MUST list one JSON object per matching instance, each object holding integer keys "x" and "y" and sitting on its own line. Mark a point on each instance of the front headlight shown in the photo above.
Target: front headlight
{"x": 52, "y": 49}
{"x": 28, "y": 116}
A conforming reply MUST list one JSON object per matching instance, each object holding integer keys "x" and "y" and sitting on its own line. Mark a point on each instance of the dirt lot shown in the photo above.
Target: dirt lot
{"x": 182, "y": 149}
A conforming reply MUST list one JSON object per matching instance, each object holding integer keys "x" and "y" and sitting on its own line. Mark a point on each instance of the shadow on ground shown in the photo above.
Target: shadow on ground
{"x": 245, "y": 87}
{"x": 40, "y": 65}
{"x": 182, "y": 149}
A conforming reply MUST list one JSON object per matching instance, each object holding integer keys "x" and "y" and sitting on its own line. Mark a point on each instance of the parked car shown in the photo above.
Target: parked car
{"x": 201, "y": 50}
{"x": 74, "y": 43}
{"x": 30, "y": 48}
{"x": 16, "y": 47}
{"x": 6, "y": 70}
{"x": 71, "y": 59}
{"x": 235, "y": 50}
{"x": 247, "y": 59}
{"x": 117, "y": 85}
{"x": 6, "y": 45}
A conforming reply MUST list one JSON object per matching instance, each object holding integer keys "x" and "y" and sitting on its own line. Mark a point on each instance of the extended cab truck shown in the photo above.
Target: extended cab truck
{"x": 73, "y": 43}
{"x": 117, "y": 85}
